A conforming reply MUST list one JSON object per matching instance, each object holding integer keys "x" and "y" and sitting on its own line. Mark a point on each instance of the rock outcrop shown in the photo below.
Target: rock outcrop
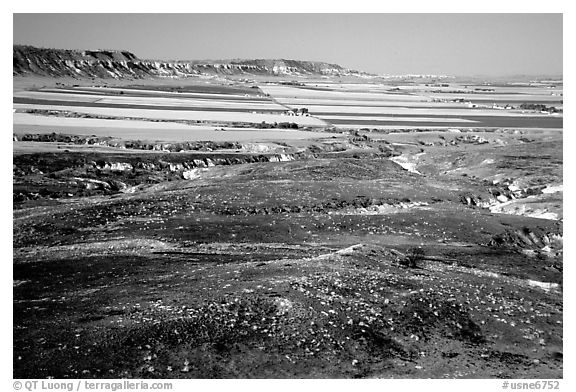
{"x": 29, "y": 60}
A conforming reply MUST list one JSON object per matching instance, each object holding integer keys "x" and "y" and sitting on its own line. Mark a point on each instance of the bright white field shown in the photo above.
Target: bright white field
{"x": 441, "y": 128}
{"x": 154, "y": 101}
{"x": 192, "y": 115}
{"x": 422, "y": 87}
{"x": 177, "y": 94}
{"x": 497, "y": 97}
{"x": 144, "y": 130}
{"x": 344, "y": 103}
{"x": 355, "y": 87}
{"x": 471, "y": 88}
{"x": 386, "y": 88}
{"x": 522, "y": 90}
{"x": 291, "y": 92}
{"x": 422, "y": 94}
{"x": 192, "y": 103}
{"x": 537, "y": 90}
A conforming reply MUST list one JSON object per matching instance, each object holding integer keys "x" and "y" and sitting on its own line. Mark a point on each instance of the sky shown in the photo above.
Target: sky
{"x": 447, "y": 44}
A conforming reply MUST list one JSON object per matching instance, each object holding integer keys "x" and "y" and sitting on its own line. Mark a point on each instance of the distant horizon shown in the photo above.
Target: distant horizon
{"x": 459, "y": 45}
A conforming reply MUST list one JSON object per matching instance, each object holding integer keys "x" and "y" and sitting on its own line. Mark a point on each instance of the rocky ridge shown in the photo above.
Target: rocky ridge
{"x": 29, "y": 60}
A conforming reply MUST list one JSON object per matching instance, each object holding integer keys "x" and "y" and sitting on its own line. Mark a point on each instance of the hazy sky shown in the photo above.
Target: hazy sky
{"x": 455, "y": 44}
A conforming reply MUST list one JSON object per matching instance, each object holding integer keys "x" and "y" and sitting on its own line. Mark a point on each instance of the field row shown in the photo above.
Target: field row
{"x": 358, "y": 106}
{"x": 201, "y": 112}
{"x": 219, "y": 114}
{"x": 152, "y": 131}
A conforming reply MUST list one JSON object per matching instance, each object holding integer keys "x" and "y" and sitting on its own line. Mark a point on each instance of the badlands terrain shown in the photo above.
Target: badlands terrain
{"x": 282, "y": 219}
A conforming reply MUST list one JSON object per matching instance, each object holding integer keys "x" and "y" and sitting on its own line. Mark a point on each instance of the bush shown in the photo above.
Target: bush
{"x": 413, "y": 257}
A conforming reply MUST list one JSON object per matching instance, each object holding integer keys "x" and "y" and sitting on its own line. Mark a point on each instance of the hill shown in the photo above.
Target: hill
{"x": 29, "y": 60}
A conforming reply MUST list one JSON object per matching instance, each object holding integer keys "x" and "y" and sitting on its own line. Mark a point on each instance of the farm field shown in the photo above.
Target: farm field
{"x": 393, "y": 105}
{"x": 201, "y": 231}
{"x": 168, "y": 116}
{"x": 348, "y": 105}
{"x": 145, "y": 130}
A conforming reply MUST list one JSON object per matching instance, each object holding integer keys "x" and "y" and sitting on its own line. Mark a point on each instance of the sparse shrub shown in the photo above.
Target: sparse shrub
{"x": 413, "y": 257}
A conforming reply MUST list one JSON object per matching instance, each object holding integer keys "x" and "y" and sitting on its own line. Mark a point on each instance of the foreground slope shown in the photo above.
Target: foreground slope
{"x": 320, "y": 259}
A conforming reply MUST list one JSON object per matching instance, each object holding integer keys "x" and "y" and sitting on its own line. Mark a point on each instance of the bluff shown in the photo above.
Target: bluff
{"x": 29, "y": 60}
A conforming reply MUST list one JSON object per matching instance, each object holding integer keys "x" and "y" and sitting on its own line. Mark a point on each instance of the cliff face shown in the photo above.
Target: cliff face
{"x": 29, "y": 60}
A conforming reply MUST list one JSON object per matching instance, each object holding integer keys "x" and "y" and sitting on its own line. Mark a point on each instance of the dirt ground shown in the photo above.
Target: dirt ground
{"x": 373, "y": 254}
